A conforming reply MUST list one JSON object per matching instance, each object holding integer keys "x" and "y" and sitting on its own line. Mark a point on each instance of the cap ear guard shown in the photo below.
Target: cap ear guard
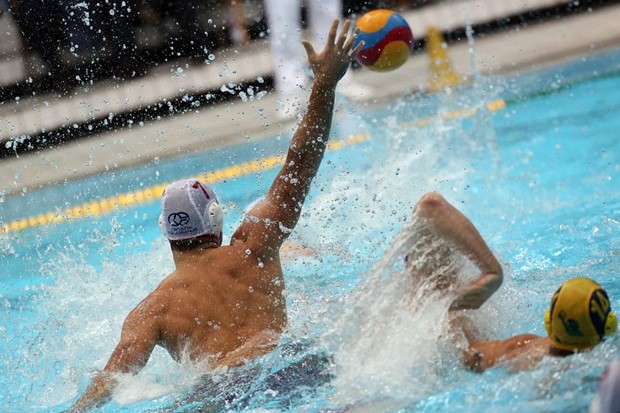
{"x": 611, "y": 325}
{"x": 216, "y": 216}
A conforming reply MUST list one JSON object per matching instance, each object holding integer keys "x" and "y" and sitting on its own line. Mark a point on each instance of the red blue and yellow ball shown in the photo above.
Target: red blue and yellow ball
{"x": 388, "y": 40}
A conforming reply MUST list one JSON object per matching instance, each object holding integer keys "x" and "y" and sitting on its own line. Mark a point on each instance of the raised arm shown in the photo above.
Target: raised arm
{"x": 138, "y": 339}
{"x": 271, "y": 220}
{"x": 452, "y": 225}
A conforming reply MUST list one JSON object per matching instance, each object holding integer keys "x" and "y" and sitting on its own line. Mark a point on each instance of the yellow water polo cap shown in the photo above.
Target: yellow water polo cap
{"x": 580, "y": 315}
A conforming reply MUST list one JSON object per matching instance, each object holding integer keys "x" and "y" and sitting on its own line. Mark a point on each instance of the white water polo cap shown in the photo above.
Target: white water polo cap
{"x": 190, "y": 209}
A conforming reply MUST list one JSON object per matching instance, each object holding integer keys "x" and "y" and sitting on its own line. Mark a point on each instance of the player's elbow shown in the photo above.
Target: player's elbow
{"x": 430, "y": 203}
{"x": 496, "y": 278}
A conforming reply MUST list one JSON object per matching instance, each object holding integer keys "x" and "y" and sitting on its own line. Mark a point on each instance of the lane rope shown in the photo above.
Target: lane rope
{"x": 153, "y": 193}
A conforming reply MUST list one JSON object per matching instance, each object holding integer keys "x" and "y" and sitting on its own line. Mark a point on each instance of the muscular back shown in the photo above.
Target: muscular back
{"x": 216, "y": 301}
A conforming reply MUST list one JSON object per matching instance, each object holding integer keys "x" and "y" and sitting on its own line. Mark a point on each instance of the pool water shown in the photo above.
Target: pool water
{"x": 538, "y": 177}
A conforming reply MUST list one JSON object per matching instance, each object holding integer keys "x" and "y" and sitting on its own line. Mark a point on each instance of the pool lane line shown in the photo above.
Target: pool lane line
{"x": 493, "y": 106}
{"x": 153, "y": 193}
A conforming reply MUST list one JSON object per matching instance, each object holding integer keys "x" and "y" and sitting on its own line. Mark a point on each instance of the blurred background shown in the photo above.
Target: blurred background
{"x": 55, "y": 45}
{"x": 54, "y": 52}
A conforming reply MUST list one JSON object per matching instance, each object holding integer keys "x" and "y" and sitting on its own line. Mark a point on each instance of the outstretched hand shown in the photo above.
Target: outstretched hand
{"x": 332, "y": 63}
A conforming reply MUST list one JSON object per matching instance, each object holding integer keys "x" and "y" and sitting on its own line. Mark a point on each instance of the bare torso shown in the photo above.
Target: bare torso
{"x": 217, "y": 301}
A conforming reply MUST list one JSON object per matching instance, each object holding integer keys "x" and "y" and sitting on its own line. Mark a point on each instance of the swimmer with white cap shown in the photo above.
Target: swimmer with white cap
{"x": 225, "y": 304}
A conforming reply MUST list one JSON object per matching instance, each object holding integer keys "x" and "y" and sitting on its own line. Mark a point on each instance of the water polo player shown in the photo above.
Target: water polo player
{"x": 578, "y": 318}
{"x": 224, "y": 305}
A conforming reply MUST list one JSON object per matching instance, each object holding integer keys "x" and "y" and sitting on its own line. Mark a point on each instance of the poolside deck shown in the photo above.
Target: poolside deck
{"x": 214, "y": 125}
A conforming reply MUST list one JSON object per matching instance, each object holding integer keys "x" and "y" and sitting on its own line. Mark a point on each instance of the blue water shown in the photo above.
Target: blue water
{"x": 538, "y": 178}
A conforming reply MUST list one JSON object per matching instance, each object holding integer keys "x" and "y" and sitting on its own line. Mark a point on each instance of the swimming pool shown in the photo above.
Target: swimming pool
{"x": 537, "y": 174}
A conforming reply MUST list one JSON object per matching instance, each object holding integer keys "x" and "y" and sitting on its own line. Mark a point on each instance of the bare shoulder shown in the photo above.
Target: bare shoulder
{"x": 523, "y": 340}
{"x": 247, "y": 249}
{"x": 529, "y": 350}
{"x": 270, "y": 221}
{"x": 518, "y": 352}
{"x": 153, "y": 305}
{"x": 510, "y": 347}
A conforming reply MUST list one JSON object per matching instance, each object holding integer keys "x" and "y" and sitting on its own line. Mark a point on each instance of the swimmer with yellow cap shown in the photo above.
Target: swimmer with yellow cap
{"x": 578, "y": 318}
